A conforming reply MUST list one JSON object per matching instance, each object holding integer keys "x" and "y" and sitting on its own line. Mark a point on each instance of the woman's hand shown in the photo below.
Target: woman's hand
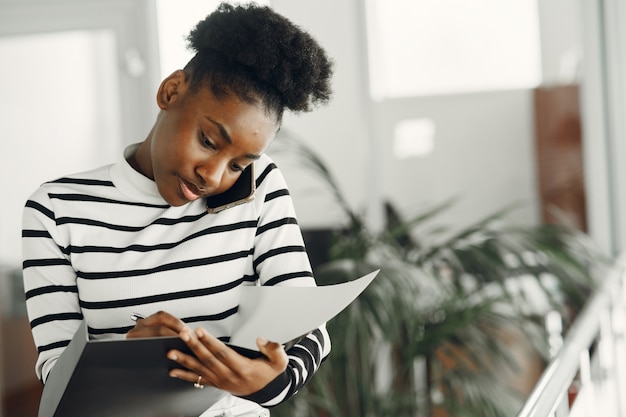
{"x": 158, "y": 324}
{"x": 220, "y": 366}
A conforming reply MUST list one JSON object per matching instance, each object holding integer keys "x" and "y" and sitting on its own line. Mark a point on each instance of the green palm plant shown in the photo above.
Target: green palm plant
{"x": 428, "y": 337}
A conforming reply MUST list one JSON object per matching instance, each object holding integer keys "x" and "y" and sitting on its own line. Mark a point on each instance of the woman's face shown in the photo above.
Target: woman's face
{"x": 200, "y": 145}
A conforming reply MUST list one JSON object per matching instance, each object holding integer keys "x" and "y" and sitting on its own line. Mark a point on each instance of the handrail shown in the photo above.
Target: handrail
{"x": 550, "y": 393}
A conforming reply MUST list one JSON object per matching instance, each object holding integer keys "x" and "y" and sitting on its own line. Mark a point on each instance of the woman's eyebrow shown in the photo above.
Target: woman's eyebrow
{"x": 227, "y": 138}
{"x": 223, "y": 131}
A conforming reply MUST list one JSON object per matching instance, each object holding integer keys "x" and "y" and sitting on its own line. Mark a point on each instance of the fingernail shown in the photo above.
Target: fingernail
{"x": 199, "y": 333}
{"x": 262, "y": 341}
{"x": 173, "y": 356}
{"x": 185, "y": 336}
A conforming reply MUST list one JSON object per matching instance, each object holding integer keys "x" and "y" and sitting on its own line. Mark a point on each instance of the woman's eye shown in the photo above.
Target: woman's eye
{"x": 236, "y": 167}
{"x": 205, "y": 141}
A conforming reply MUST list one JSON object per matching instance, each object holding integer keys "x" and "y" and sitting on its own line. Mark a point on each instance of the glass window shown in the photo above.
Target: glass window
{"x": 424, "y": 47}
{"x": 61, "y": 114}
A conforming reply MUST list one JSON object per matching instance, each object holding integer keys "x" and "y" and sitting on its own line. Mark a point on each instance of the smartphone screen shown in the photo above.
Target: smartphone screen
{"x": 241, "y": 192}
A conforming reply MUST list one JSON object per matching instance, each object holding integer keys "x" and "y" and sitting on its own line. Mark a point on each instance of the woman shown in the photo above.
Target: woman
{"x": 187, "y": 217}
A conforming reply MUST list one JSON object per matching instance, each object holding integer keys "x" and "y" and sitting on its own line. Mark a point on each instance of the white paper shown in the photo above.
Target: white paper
{"x": 280, "y": 314}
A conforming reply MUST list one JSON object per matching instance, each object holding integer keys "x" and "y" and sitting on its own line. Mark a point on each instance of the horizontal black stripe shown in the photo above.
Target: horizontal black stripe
{"x": 94, "y": 223}
{"x": 98, "y": 305}
{"x": 95, "y": 199}
{"x": 286, "y": 277}
{"x": 55, "y": 345}
{"x": 191, "y": 263}
{"x": 211, "y": 317}
{"x": 265, "y": 173}
{"x": 55, "y": 317}
{"x": 51, "y": 289}
{"x": 273, "y": 389}
{"x": 195, "y": 319}
{"x": 312, "y": 349}
{"x": 30, "y": 263}
{"x": 125, "y": 228}
{"x": 279, "y": 193}
{"x": 294, "y": 387}
{"x": 36, "y": 233}
{"x": 40, "y": 208}
{"x": 276, "y": 224}
{"x": 305, "y": 356}
{"x": 82, "y": 181}
{"x": 317, "y": 333}
{"x": 278, "y": 251}
{"x": 298, "y": 369}
{"x": 161, "y": 246}
{"x": 113, "y": 330}
{"x": 250, "y": 278}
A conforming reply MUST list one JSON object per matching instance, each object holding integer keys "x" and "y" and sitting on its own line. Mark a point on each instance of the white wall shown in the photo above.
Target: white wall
{"x": 483, "y": 154}
{"x": 339, "y": 131}
{"x": 484, "y": 144}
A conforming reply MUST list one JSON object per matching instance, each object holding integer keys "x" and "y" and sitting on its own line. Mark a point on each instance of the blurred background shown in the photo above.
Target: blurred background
{"x": 488, "y": 101}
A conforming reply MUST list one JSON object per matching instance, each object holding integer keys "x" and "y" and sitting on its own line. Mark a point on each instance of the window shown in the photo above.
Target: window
{"x": 424, "y": 47}
{"x": 82, "y": 133}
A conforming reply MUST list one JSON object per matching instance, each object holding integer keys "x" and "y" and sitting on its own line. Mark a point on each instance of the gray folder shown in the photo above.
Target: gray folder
{"x": 101, "y": 378}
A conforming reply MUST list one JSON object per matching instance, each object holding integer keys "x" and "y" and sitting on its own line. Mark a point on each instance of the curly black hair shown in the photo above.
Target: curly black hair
{"x": 257, "y": 54}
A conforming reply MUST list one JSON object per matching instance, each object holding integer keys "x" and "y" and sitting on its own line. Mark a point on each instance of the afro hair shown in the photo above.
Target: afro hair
{"x": 259, "y": 55}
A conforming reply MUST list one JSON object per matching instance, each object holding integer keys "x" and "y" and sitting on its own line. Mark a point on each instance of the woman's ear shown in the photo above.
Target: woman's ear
{"x": 171, "y": 88}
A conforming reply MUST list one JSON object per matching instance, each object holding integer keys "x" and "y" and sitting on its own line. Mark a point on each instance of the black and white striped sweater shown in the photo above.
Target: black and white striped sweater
{"x": 100, "y": 245}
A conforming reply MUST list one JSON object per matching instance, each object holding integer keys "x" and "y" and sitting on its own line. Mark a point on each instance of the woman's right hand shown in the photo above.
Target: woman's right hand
{"x": 156, "y": 325}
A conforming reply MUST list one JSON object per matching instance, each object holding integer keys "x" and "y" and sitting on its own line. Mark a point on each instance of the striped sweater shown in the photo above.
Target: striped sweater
{"x": 100, "y": 245}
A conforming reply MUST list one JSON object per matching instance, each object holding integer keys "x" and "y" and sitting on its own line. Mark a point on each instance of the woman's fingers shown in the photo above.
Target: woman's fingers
{"x": 158, "y": 324}
{"x": 274, "y": 352}
{"x": 203, "y": 363}
{"x": 211, "y": 350}
{"x": 223, "y": 367}
{"x": 211, "y": 355}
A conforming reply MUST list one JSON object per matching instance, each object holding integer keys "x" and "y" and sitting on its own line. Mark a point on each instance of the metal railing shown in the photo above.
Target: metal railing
{"x": 587, "y": 376}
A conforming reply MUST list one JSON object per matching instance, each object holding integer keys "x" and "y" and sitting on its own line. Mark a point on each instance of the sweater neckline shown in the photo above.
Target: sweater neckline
{"x": 133, "y": 183}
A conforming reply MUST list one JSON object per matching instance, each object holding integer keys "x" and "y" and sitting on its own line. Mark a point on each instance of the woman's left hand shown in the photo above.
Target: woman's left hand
{"x": 220, "y": 366}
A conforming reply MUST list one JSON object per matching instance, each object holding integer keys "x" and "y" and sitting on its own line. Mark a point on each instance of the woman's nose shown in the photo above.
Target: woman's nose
{"x": 210, "y": 173}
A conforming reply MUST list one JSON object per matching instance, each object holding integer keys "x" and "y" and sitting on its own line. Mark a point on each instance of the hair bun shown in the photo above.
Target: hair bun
{"x": 272, "y": 49}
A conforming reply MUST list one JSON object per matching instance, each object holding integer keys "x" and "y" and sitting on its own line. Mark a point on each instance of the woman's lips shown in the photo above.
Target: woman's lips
{"x": 190, "y": 191}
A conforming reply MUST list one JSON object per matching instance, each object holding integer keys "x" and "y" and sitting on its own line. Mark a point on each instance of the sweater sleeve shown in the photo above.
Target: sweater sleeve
{"x": 49, "y": 282}
{"x": 304, "y": 360}
{"x": 281, "y": 259}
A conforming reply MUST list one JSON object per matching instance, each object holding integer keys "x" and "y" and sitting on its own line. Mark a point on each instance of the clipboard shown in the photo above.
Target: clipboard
{"x": 129, "y": 377}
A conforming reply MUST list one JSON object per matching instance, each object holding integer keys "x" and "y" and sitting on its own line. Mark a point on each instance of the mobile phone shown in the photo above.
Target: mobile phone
{"x": 241, "y": 192}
